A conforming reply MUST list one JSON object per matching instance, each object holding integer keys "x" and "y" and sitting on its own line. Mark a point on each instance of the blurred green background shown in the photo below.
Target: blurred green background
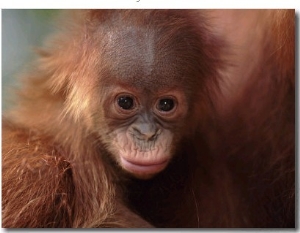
{"x": 22, "y": 31}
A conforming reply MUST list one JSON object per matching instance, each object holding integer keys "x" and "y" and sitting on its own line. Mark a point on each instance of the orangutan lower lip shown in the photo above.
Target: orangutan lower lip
{"x": 143, "y": 167}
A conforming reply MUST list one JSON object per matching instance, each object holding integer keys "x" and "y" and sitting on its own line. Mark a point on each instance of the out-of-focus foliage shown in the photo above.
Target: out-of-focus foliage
{"x": 22, "y": 31}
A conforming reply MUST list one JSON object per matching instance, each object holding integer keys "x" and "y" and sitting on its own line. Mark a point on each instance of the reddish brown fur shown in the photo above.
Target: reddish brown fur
{"x": 238, "y": 173}
{"x": 260, "y": 139}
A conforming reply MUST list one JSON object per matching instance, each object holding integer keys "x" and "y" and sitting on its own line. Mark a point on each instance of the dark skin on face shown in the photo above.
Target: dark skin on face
{"x": 144, "y": 107}
{"x": 147, "y": 84}
{"x": 142, "y": 131}
{"x": 143, "y": 118}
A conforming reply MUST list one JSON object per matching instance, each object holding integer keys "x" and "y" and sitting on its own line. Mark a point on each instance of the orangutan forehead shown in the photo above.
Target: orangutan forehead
{"x": 136, "y": 59}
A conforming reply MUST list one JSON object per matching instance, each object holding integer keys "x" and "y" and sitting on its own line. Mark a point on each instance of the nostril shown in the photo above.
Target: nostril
{"x": 149, "y": 135}
{"x": 145, "y": 134}
{"x": 152, "y": 138}
{"x": 136, "y": 131}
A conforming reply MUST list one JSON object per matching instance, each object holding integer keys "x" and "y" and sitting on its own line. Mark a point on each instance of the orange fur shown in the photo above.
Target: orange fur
{"x": 236, "y": 169}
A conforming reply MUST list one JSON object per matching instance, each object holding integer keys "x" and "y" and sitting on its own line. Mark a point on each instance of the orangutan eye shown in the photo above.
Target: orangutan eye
{"x": 125, "y": 102}
{"x": 165, "y": 105}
